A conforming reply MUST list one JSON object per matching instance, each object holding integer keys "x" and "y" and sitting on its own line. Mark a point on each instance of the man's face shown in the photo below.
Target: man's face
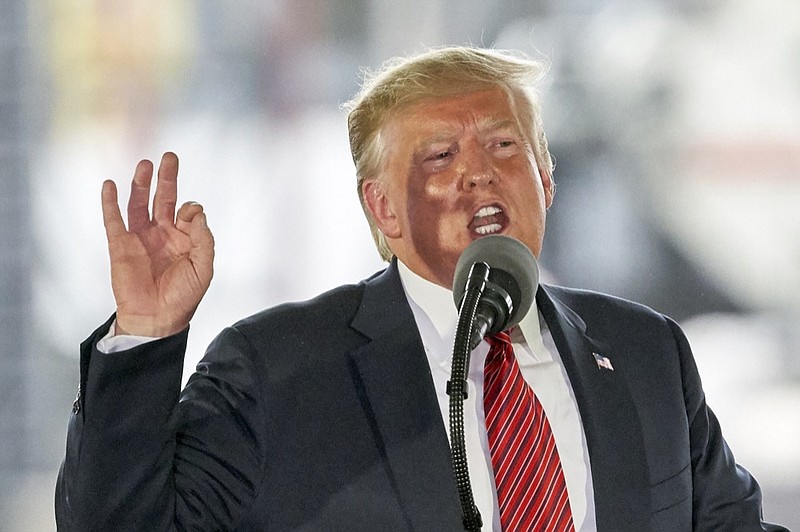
{"x": 456, "y": 169}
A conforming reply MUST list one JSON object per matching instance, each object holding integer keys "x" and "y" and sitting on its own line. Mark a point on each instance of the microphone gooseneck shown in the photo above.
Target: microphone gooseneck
{"x": 494, "y": 285}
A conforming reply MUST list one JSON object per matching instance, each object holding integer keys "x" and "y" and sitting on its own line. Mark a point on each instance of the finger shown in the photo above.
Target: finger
{"x": 112, "y": 218}
{"x": 186, "y": 214}
{"x": 202, "y": 253}
{"x": 139, "y": 201}
{"x": 166, "y": 196}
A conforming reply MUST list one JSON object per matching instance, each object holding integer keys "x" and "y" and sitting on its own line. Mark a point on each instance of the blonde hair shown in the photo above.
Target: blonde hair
{"x": 438, "y": 73}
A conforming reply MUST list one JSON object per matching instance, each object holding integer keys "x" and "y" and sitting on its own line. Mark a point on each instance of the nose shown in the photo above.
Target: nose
{"x": 476, "y": 168}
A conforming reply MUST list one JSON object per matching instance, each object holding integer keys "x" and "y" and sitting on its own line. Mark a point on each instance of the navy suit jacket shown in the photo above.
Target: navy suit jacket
{"x": 322, "y": 415}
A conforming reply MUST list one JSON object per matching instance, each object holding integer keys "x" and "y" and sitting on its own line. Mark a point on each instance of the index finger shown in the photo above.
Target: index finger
{"x": 112, "y": 218}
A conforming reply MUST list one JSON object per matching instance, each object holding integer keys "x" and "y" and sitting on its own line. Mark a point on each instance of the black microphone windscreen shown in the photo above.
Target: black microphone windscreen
{"x": 508, "y": 255}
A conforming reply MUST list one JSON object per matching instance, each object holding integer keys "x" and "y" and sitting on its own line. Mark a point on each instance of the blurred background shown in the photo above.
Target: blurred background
{"x": 675, "y": 127}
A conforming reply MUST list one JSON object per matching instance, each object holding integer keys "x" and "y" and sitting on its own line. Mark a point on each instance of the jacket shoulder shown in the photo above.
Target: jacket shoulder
{"x": 608, "y": 316}
{"x": 322, "y": 323}
{"x": 589, "y": 300}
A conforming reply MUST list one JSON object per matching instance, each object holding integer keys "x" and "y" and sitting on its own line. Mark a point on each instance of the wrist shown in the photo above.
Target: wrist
{"x": 145, "y": 327}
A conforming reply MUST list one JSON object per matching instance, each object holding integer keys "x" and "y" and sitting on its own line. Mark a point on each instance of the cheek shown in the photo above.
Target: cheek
{"x": 528, "y": 182}
{"x": 429, "y": 198}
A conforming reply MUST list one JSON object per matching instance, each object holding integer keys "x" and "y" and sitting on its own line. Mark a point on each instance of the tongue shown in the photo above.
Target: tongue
{"x": 486, "y": 220}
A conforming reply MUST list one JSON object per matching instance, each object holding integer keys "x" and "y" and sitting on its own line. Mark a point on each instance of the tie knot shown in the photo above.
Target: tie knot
{"x": 501, "y": 339}
{"x": 499, "y": 347}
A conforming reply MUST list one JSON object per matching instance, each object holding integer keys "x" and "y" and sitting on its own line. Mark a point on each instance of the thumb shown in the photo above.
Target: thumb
{"x": 202, "y": 253}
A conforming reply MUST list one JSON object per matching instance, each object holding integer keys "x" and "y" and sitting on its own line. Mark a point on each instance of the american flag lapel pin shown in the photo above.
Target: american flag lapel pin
{"x": 602, "y": 362}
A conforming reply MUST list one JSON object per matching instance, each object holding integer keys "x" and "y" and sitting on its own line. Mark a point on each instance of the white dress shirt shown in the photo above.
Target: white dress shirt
{"x": 437, "y": 319}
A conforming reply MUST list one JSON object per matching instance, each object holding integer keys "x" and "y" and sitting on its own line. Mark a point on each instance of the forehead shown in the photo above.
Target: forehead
{"x": 442, "y": 117}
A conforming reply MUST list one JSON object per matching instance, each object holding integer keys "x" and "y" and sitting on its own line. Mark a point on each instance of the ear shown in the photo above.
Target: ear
{"x": 548, "y": 185}
{"x": 381, "y": 208}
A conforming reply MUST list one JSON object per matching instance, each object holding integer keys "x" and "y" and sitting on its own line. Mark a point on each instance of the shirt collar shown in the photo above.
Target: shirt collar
{"x": 436, "y": 302}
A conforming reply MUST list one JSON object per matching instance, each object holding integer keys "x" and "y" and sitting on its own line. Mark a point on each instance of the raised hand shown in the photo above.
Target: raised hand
{"x": 161, "y": 265}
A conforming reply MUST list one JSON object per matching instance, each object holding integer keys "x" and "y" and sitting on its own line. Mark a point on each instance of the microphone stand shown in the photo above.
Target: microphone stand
{"x": 457, "y": 390}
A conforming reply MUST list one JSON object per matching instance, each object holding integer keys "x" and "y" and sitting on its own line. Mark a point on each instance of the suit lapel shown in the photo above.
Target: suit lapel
{"x": 616, "y": 445}
{"x": 399, "y": 399}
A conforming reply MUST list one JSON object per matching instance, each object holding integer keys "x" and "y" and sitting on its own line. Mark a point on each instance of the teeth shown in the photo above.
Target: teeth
{"x": 487, "y": 211}
{"x": 487, "y": 229}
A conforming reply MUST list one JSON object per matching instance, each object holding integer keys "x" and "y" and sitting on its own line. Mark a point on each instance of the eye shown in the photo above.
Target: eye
{"x": 505, "y": 146}
{"x": 441, "y": 154}
{"x": 504, "y": 143}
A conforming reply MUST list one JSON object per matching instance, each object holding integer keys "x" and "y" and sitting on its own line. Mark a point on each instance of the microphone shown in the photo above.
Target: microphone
{"x": 505, "y": 273}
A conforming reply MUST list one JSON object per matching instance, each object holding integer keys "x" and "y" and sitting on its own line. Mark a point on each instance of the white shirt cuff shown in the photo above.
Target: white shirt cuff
{"x": 114, "y": 344}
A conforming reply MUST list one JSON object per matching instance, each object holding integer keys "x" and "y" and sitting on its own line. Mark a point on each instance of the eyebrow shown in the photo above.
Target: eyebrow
{"x": 439, "y": 137}
{"x": 489, "y": 124}
{"x": 493, "y": 124}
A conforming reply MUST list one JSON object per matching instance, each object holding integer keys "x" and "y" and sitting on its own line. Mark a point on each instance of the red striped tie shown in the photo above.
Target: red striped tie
{"x": 531, "y": 489}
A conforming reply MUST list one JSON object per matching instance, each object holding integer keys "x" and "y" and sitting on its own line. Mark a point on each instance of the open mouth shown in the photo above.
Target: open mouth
{"x": 488, "y": 220}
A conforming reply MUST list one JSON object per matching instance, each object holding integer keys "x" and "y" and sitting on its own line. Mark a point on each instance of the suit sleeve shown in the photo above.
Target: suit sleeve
{"x": 142, "y": 455}
{"x": 725, "y": 495}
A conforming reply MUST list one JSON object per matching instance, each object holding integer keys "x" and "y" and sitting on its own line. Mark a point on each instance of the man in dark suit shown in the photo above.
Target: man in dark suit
{"x": 331, "y": 414}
